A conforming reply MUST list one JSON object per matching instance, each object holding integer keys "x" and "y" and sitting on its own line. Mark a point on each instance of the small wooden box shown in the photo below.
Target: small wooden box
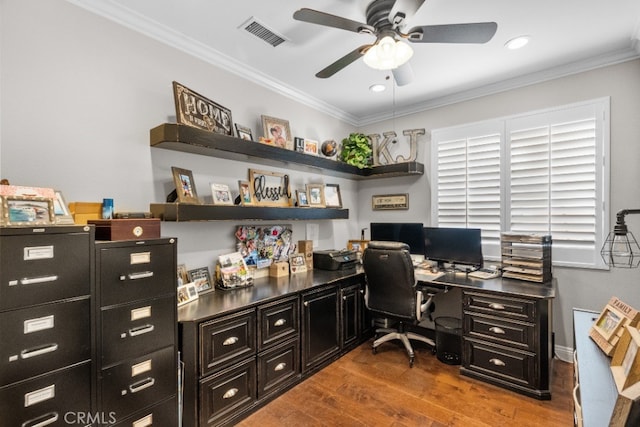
{"x": 279, "y": 269}
{"x": 305, "y": 247}
{"x": 126, "y": 229}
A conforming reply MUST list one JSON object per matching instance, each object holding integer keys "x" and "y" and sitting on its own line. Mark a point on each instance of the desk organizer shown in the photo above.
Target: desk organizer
{"x": 526, "y": 256}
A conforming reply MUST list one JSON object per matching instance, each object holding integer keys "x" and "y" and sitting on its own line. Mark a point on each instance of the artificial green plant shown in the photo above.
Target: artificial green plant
{"x": 356, "y": 150}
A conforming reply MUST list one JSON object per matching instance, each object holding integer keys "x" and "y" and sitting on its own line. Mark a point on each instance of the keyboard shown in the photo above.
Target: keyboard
{"x": 484, "y": 273}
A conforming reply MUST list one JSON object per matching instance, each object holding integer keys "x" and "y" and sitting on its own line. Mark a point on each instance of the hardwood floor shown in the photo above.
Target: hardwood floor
{"x": 363, "y": 389}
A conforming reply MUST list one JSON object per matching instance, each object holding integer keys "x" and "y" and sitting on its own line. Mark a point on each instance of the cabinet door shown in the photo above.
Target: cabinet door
{"x": 350, "y": 310}
{"x": 320, "y": 334}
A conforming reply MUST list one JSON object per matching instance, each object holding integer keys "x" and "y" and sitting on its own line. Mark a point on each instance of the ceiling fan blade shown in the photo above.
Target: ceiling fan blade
{"x": 479, "y": 32}
{"x": 321, "y": 18}
{"x": 403, "y": 10}
{"x": 403, "y": 75}
{"x": 343, "y": 62}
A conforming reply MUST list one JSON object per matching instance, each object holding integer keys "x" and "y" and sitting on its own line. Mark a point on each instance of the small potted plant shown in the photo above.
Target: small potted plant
{"x": 356, "y": 150}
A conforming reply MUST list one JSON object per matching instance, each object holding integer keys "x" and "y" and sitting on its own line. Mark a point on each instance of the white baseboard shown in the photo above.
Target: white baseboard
{"x": 564, "y": 353}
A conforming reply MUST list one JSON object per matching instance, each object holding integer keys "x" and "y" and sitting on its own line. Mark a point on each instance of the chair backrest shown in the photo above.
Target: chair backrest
{"x": 391, "y": 284}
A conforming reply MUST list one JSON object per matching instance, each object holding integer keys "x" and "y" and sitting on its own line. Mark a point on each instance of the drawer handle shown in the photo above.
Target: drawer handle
{"x": 140, "y": 330}
{"x": 306, "y": 303}
{"x": 26, "y": 354}
{"x": 497, "y": 362}
{"x": 496, "y": 306}
{"x": 280, "y": 366}
{"x": 497, "y": 330}
{"x": 47, "y": 419}
{"x": 138, "y": 276}
{"x": 230, "y": 393}
{"x": 280, "y": 322}
{"x": 141, "y": 385}
{"x": 230, "y": 341}
{"x": 36, "y": 280}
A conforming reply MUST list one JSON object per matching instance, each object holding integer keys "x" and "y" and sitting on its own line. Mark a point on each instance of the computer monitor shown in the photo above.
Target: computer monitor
{"x": 462, "y": 246}
{"x": 405, "y": 232}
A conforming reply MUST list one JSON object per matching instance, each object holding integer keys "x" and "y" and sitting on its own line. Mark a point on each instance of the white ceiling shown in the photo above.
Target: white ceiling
{"x": 568, "y": 36}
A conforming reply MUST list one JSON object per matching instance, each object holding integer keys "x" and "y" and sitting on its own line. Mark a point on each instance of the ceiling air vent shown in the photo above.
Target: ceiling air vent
{"x": 259, "y": 30}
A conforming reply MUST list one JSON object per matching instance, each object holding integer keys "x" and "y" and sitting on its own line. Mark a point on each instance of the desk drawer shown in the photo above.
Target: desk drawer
{"x": 46, "y": 400}
{"x": 228, "y": 392}
{"x": 138, "y": 328}
{"x": 509, "y": 333}
{"x": 131, "y": 273}
{"x": 501, "y": 306}
{"x": 41, "y": 268}
{"x": 278, "y": 322}
{"x": 499, "y": 362}
{"x": 139, "y": 382}
{"x": 226, "y": 340}
{"x": 278, "y": 367}
{"x": 39, "y": 339}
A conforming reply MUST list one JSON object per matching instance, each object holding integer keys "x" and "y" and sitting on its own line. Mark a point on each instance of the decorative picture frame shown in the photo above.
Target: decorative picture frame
{"x": 315, "y": 193}
{"x": 185, "y": 186}
{"x": 302, "y": 198}
{"x": 332, "y": 197}
{"x": 221, "y": 194}
{"x": 297, "y": 263}
{"x": 298, "y": 144}
{"x": 311, "y": 147}
{"x": 357, "y": 245}
{"x": 26, "y": 210}
{"x": 608, "y": 322}
{"x": 187, "y": 293}
{"x": 208, "y": 116}
{"x": 390, "y": 202}
{"x": 246, "y": 196}
{"x": 201, "y": 278}
{"x": 278, "y": 130}
{"x": 183, "y": 277}
{"x": 243, "y": 132}
{"x": 61, "y": 209}
{"x": 270, "y": 188}
{"x": 609, "y": 326}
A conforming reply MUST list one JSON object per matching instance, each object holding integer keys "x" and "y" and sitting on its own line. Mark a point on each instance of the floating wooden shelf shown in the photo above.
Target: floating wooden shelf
{"x": 187, "y": 139}
{"x": 185, "y": 212}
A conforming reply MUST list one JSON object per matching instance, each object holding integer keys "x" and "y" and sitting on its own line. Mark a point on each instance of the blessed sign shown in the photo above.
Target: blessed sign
{"x": 195, "y": 110}
{"x": 270, "y": 188}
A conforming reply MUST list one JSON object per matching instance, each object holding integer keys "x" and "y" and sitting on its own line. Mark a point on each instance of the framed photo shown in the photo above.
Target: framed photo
{"x": 270, "y": 188}
{"x": 61, "y": 209}
{"x": 357, "y": 245}
{"x": 315, "y": 193}
{"x": 303, "y": 200}
{"x": 311, "y": 147}
{"x": 297, "y": 263}
{"x": 208, "y": 116}
{"x": 298, "y": 144}
{"x": 201, "y": 278}
{"x": 278, "y": 130}
{"x": 608, "y": 322}
{"x": 246, "y": 198}
{"x": 185, "y": 186}
{"x": 183, "y": 278}
{"x": 26, "y": 210}
{"x": 332, "y": 198}
{"x": 243, "y": 132}
{"x": 221, "y": 194}
{"x": 390, "y": 202}
{"x": 187, "y": 293}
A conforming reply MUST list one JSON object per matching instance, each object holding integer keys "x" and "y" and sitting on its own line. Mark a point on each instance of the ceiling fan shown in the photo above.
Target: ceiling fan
{"x": 386, "y": 19}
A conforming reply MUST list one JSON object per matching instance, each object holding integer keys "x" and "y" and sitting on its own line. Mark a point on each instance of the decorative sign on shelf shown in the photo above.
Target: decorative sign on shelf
{"x": 390, "y": 202}
{"x": 193, "y": 109}
{"x": 381, "y": 148}
{"x": 270, "y": 188}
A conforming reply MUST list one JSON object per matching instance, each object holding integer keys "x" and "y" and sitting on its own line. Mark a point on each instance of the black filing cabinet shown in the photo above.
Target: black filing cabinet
{"x": 137, "y": 331}
{"x": 46, "y": 281}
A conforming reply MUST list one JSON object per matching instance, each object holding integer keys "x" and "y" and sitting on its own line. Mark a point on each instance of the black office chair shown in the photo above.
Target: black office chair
{"x": 391, "y": 292}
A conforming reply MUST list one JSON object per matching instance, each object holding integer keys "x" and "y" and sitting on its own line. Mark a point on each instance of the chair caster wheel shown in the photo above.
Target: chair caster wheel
{"x": 411, "y": 362}
{"x": 433, "y": 351}
{"x": 374, "y": 350}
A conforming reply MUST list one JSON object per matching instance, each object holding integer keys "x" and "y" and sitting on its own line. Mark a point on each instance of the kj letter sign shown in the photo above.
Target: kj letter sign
{"x": 193, "y": 109}
{"x": 381, "y": 153}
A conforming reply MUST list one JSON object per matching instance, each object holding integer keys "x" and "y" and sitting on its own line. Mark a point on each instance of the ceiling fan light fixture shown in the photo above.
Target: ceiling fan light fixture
{"x": 517, "y": 42}
{"x": 388, "y": 54}
{"x": 379, "y": 87}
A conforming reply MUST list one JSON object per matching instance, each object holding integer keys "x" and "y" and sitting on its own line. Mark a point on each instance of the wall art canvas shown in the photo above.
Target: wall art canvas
{"x": 260, "y": 246}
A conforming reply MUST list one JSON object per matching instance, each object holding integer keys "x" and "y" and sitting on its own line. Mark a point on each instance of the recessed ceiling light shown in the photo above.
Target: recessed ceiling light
{"x": 517, "y": 43}
{"x": 377, "y": 88}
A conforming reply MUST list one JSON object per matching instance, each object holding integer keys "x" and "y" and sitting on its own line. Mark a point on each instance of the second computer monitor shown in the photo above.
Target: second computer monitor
{"x": 405, "y": 232}
{"x": 459, "y": 246}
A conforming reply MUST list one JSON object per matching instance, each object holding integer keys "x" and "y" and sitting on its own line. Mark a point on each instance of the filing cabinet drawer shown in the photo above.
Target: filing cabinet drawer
{"x": 228, "y": 392}
{"x": 36, "y": 340}
{"x": 139, "y": 382}
{"x": 131, "y": 273}
{"x": 161, "y": 414}
{"x": 278, "y": 367}
{"x": 500, "y": 362}
{"x": 55, "y": 399}
{"x": 278, "y": 322}
{"x": 226, "y": 340}
{"x": 513, "y": 308}
{"x": 40, "y": 268}
{"x": 510, "y": 333}
{"x": 138, "y": 328}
